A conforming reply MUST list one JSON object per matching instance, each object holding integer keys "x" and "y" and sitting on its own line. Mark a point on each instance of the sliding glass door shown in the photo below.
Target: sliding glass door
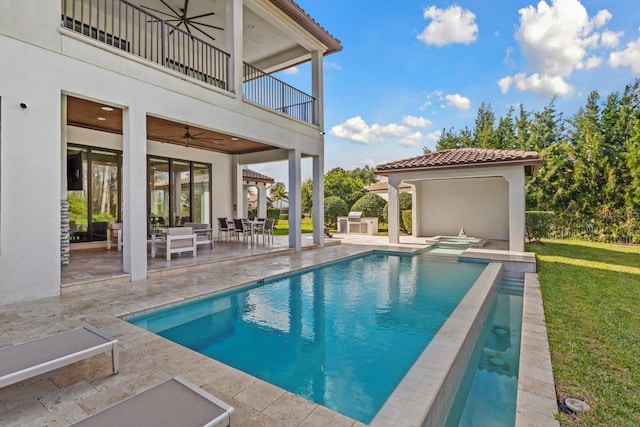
{"x": 179, "y": 192}
{"x": 93, "y": 192}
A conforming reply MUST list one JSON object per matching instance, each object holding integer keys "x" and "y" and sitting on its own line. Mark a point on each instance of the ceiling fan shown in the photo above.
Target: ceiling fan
{"x": 182, "y": 18}
{"x": 188, "y": 136}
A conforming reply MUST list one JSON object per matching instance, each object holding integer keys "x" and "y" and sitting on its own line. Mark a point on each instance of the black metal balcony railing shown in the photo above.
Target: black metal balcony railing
{"x": 128, "y": 27}
{"x": 266, "y": 90}
{"x": 134, "y": 30}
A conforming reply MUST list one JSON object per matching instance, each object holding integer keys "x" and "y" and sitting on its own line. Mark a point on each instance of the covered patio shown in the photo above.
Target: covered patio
{"x": 99, "y": 267}
{"x": 472, "y": 191}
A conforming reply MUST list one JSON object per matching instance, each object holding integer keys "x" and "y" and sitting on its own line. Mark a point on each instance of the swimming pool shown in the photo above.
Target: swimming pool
{"x": 342, "y": 335}
{"x": 488, "y": 390}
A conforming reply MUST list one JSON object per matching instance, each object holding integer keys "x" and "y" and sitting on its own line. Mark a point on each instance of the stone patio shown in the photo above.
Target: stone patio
{"x": 69, "y": 394}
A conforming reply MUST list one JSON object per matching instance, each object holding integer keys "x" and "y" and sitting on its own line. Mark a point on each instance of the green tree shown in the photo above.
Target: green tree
{"x": 484, "y": 133}
{"x": 371, "y": 205}
{"x": 279, "y": 192}
{"x": 306, "y": 194}
{"x": 339, "y": 183}
{"x": 333, "y": 208}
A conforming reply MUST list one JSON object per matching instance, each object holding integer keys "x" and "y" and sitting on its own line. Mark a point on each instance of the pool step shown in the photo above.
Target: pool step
{"x": 511, "y": 287}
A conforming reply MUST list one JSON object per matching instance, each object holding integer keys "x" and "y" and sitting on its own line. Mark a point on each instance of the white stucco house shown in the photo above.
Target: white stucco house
{"x": 145, "y": 112}
{"x": 480, "y": 190}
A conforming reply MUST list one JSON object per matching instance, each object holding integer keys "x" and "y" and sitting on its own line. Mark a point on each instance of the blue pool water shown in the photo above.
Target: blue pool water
{"x": 341, "y": 335}
{"x": 488, "y": 392}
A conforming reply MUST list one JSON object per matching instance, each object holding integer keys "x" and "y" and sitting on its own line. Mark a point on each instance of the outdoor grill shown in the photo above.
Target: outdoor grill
{"x": 355, "y": 223}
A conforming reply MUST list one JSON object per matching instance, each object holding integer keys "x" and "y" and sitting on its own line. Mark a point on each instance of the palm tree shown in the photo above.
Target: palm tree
{"x": 279, "y": 192}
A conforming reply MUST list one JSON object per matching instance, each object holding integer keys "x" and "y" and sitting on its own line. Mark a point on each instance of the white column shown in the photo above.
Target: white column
{"x": 134, "y": 186}
{"x": 317, "y": 88}
{"x": 517, "y": 201}
{"x": 234, "y": 35}
{"x": 295, "y": 206}
{"x": 63, "y": 147}
{"x": 238, "y": 190}
{"x": 318, "y": 200}
{"x": 262, "y": 200}
{"x": 394, "y": 211}
{"x": 416, "y": 209}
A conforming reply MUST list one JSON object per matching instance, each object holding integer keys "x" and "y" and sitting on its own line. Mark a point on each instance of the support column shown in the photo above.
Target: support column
{"x": 238, "y": 190}
{"x": 318, "y": 200}
{"x": 134, "y": 183}
{"x": 394, "y": 211}
{"x": 295, "y": 206}
{"x": 317, "y": 89}
{"x": 234, "y": 46}
{"x": 262, "y": 200}
{"x": 517, "y": 202}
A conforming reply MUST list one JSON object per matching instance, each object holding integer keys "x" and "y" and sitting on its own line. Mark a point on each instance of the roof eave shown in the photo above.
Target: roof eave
{"x": 523, "y": 162}
{"x": 298, "y": 15}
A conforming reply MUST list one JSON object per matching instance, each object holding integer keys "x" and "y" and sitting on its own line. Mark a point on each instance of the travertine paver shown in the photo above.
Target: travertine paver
{"x": 69, "y": 394}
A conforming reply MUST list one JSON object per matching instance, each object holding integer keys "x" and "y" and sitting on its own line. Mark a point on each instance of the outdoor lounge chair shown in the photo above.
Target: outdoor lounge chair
{"x": 175, "y": 402}
{"x": 204, "y": 233}
{"x": 177, "y": 240}
{"x": 22, "y": 361}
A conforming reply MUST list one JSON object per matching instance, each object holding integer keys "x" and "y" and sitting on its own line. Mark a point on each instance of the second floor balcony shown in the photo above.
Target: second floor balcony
{"x": 190, "y": 38}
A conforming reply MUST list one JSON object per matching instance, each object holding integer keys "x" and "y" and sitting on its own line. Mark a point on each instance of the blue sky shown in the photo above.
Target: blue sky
{"x": 410, "y": 68}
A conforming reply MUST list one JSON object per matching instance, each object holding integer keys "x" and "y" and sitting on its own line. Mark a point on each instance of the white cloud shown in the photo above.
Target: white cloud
{"x": 411, "y": 140}
{"x": 291, "y": 70}
{"x": 458, "y": 102}
{"x": 601, "y": 18}
{"x": 593, "y": 62}
{"x": 541, "y": 85}
{"x": 450, "y": 25}
{"x": 610, "y": 39}
{"x": 629, "y": 57}
{"x": 555, "y": 40}
{"x": 357, "y": 130}
{"x": 333, "y": 65}
{"x": 416, "y": 122}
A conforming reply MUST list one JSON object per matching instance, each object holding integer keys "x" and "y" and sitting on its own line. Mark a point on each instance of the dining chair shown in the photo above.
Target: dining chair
{"x": 241, "y": 228}
{"x": 223, "y": 227}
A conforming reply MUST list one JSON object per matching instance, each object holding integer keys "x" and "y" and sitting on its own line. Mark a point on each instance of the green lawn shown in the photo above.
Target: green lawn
{"x": 282, "y": 228}
{"x": 591, "y": 298}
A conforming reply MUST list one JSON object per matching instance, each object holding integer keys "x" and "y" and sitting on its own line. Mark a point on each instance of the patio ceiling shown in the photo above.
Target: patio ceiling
{"x": 92, "y": 115}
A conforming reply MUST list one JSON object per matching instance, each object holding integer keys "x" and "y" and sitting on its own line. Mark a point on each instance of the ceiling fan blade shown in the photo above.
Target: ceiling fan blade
{"x": 176, "y": 14}
{"x": 191, "y": 18}
{"x": 206, "y": 34}
{"x": 157, "y": 11}
{"x": 207, "y": 25}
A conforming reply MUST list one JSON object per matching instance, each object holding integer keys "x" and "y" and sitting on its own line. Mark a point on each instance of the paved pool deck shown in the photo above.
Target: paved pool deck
{"x": 69, "y": 394}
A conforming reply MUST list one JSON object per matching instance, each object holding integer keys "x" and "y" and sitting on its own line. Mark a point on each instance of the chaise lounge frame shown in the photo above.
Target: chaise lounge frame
{"x": 26, "y": 360}
{"x": 175, "y": 402}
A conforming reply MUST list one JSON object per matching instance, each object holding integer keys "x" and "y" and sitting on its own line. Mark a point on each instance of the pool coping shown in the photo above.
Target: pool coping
{"x": 426, "y": 393}
{"x": 537, "y": 404}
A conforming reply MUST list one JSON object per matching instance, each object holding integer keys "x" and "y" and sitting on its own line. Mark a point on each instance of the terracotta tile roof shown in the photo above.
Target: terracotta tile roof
{"x": 461, "y": 157}
{"x": 249, "y": 175}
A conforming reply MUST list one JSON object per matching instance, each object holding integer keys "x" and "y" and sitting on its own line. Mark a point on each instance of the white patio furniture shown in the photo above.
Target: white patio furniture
{"x": 175, "y": 402}
{"x": 204, "y": 233}
{"x": 114, "y": 234}
{"x": 175, "y": 241}
{"x": 26, "y": 360}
